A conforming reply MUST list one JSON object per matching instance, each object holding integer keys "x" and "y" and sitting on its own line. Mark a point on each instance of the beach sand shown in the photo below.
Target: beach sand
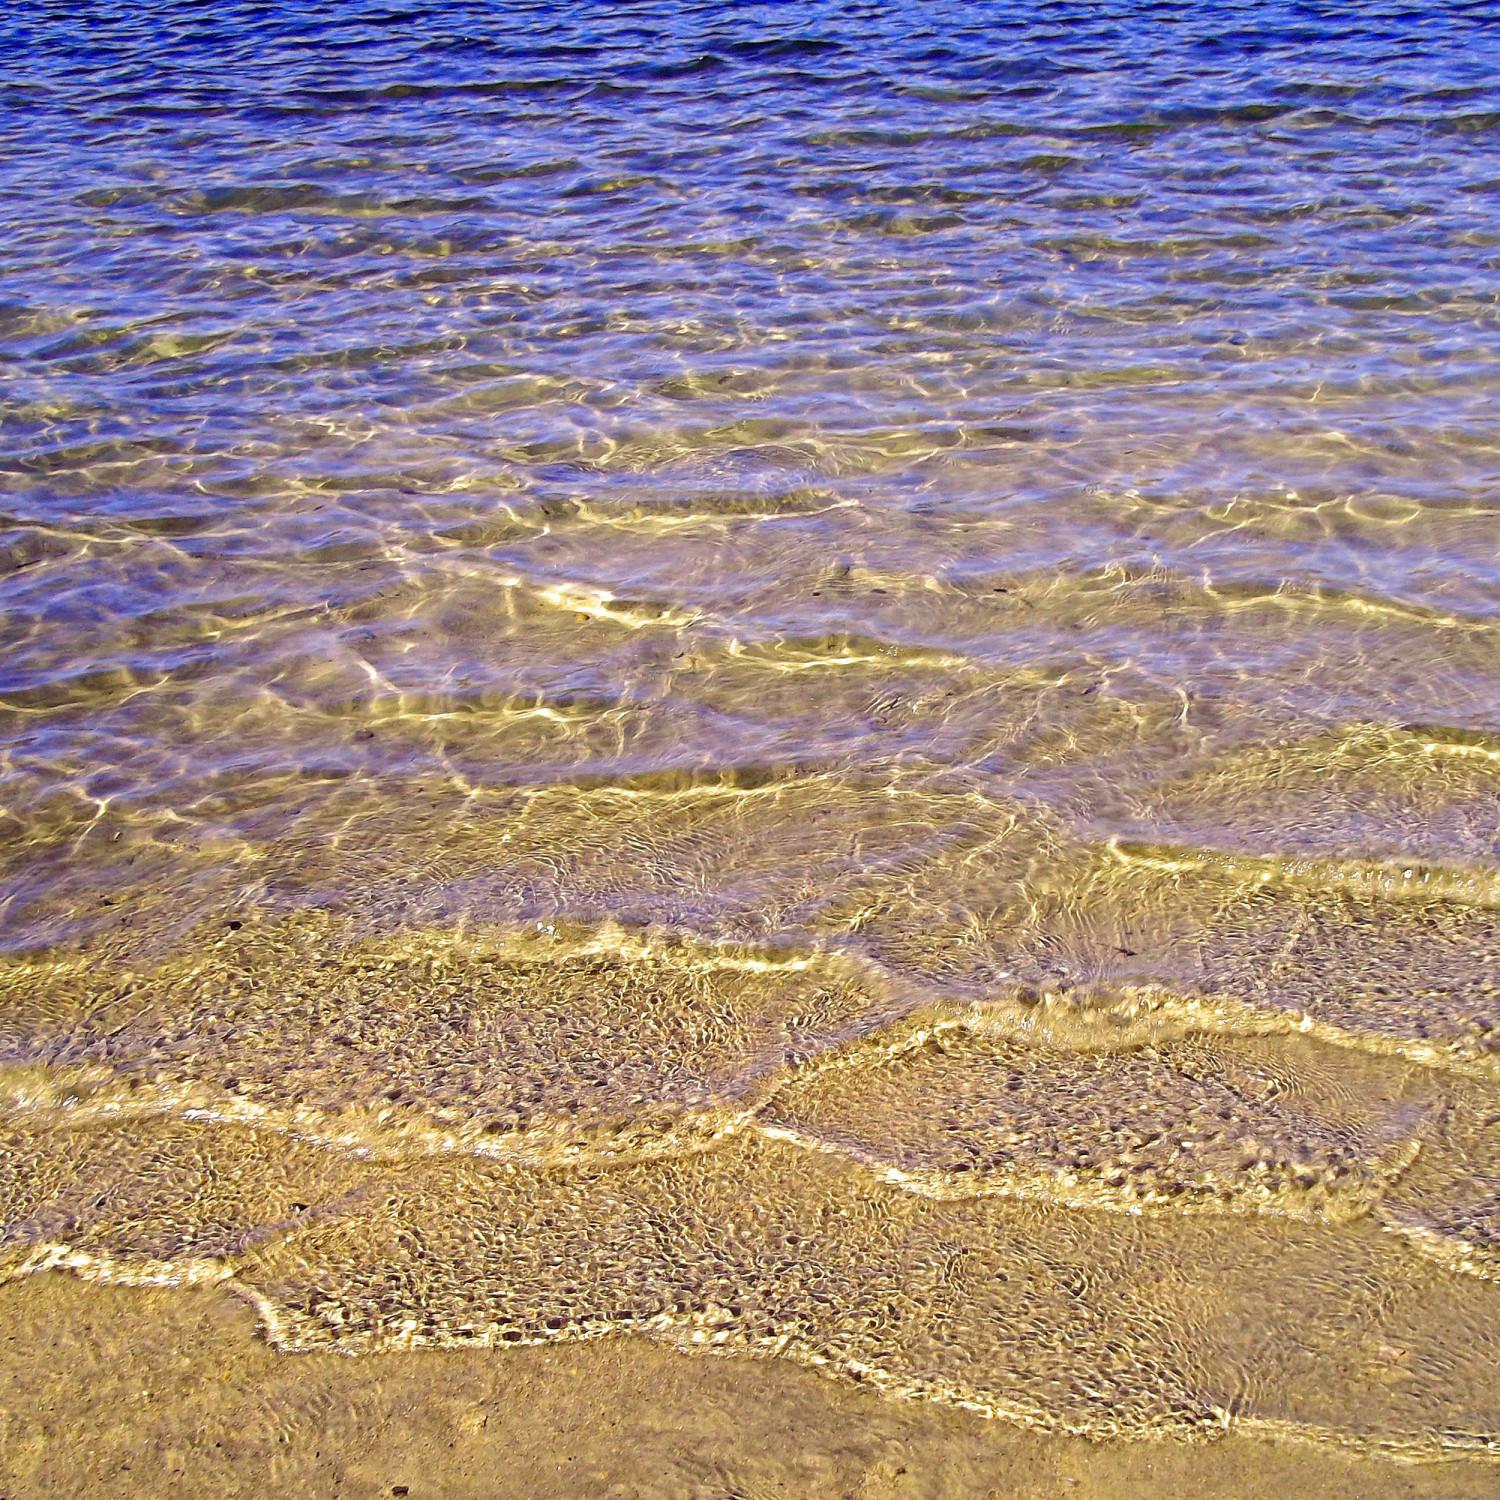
{"x": 124, "y": 1392}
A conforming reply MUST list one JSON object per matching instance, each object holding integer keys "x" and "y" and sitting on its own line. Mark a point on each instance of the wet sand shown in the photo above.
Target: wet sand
{"x": 126, "y": 1392}
{"x": 816, "y": 687}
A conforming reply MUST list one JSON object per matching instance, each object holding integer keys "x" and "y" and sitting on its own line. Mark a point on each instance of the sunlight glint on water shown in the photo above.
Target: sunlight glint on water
{"x": 819, "y": 682}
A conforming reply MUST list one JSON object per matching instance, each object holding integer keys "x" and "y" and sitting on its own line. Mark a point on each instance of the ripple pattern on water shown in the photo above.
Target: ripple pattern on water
{"x": 813, "y": 683}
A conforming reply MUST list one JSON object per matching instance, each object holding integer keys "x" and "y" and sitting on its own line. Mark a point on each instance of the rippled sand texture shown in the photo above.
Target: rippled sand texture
{"x": 820, "y": 685}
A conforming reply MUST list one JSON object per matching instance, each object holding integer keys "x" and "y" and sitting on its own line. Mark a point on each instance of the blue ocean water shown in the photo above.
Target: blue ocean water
{"x": 582, "y": 585}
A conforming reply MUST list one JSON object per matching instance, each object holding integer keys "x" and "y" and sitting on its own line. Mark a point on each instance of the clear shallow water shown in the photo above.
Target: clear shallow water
{"x": 820, "y": 685}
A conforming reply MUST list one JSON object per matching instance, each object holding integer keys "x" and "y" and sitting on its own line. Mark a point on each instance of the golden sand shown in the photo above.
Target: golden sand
{"x": 113, "y": 1392}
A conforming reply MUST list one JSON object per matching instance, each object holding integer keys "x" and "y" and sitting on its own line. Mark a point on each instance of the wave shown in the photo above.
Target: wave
{"x": 1095, "y": 1324}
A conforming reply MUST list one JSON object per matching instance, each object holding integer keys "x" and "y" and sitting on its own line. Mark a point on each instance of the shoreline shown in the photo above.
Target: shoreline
{"x": 142, "y": 1391}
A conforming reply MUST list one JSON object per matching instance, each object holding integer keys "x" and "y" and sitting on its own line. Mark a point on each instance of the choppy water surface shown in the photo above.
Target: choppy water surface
{"x": 818, "y": 681}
